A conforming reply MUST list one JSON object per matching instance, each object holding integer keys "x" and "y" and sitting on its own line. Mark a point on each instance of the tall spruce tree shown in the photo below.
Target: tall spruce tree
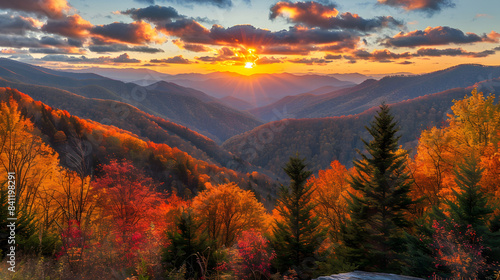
{"x": 471, "y": 207}
{"x": 297, "y": 238}
{"x": 374, "y": 235}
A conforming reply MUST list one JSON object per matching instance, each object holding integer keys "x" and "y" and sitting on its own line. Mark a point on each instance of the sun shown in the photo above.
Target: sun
{"x": 249, "y": 65}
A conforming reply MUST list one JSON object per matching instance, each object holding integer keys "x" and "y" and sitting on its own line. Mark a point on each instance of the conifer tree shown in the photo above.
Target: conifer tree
{"x": 296, "y": 238}
{"x": 471, "y": 207}
{"x": 374, "y": 235}
{"x": 189, "y": 248}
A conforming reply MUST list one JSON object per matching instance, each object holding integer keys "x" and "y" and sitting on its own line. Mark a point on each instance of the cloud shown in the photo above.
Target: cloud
{"x": 310, "y": 61}
{"x": 10, "y": 24}
{"x": 145, "y": 1}
{"x": 249, "y": 35}
{"x": 153, "y": 14}
{"x": 17, "y": 41}
{"x": 123, "y": 58}
{"x": 331, "y": 56}
{"x": 379, "y": 55}
{"x": 48, "y": 8}
{"x": 452, "y": 52}
{"x": 57, "y": 50}
{"x": 268, "y": 60}
{"x": 313, "y": 14}
{"x": 218, "y": 3}
{"x": 440, "y": 35}
{"x": 191, "y": 47}
{"x": 137, "y": 32}
{"x": 188, "y": 30}
{"x": 289, "y": 50}
{"x": 406, "y": 62}
{"x": 73, "y": 26}
{"x": 122, "y": 48}
{"x": 172, "y": 60}
{"x": 429, "y": 6}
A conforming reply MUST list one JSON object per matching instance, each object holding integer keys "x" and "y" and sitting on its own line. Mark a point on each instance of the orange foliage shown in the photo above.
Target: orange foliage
{"x": 473, "y": 130}
{"x": 330, "y": 189}
{"x": 226, "y": 211}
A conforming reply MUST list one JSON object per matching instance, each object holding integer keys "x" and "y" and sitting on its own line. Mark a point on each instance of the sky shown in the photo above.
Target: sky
{"x": 252, "y": 36}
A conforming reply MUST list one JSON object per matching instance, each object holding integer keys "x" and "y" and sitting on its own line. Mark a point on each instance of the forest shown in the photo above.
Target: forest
{"x": 93, "y": 201}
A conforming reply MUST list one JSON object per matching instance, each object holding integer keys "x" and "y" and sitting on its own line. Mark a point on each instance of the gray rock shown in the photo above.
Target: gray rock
{"x": 361, "y": 275}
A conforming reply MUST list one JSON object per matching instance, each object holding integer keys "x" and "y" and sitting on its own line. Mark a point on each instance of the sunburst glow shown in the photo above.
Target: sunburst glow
{"x": 249, "y": 65}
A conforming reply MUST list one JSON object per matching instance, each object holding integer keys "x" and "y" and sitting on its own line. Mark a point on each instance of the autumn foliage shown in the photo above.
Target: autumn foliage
{"x": 98, "y": 202}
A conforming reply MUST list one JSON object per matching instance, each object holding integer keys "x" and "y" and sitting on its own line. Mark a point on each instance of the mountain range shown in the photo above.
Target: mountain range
{"x": 323, "y": 122}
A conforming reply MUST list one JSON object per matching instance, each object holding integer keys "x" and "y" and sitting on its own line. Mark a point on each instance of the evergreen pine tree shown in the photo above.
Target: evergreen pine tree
{"x": 374, "y": 236}
{"x": 188, "y": 248}
{"x": 471, "y": 207}
{"x": 297, "y": 238}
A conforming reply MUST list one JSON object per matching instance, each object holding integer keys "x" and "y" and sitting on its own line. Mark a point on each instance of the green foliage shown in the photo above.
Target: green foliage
{"x": 298, "y": 237}
{"x": 471, "y": 205}
{"x": 471, "y": 208}
{"x": 189, "y": 250}
{"x": 374, "y": 236}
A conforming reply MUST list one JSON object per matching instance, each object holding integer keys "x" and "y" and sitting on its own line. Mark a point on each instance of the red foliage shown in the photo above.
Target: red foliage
{"x": 458, "y": 250}
{"x": 254, "y": 256}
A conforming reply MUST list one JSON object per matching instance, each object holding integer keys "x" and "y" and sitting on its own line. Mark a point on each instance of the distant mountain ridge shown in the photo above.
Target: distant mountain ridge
{"x": 185, "y": 106}
{"x": 370, "y": 93}
{"x": 322, "y": 140}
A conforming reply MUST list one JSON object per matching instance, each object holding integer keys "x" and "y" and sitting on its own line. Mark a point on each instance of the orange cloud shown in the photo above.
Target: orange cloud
{"x": 48, "y": 8}
{"x": 304, "y": 11}
{"x": 71, "y": 26}
{"x": 137, "y": 32}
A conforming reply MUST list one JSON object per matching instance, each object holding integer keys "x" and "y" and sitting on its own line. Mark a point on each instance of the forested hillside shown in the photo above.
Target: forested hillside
{"x": 370, "y": 93}
{"x": 97, "y": 143}
{"x": 181, "y": 105}
{"x": 322, "y": 140}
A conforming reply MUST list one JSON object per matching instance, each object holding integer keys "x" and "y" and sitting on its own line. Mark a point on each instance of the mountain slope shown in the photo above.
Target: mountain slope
{"x": 390, "y": 89}
{"x": 102, "y": 143}
{"x": 185, "y": 106}
{"x": 129, "y": 118}
{"x": 261, "y": 89}
{"x": 322, "y": 140}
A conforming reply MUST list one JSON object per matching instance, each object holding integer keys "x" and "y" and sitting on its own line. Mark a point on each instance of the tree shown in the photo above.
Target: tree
{"x": 254, "y": 256}
{"x": 189, "y": 247}
{"x": 472, "y": 210}
{"x": 226, "y": 211}
{"x": 330, "y": 187}
{"x": 375, "y": 233}
{"x": 127, "y": 203}
{"x": 297, "y": 237}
